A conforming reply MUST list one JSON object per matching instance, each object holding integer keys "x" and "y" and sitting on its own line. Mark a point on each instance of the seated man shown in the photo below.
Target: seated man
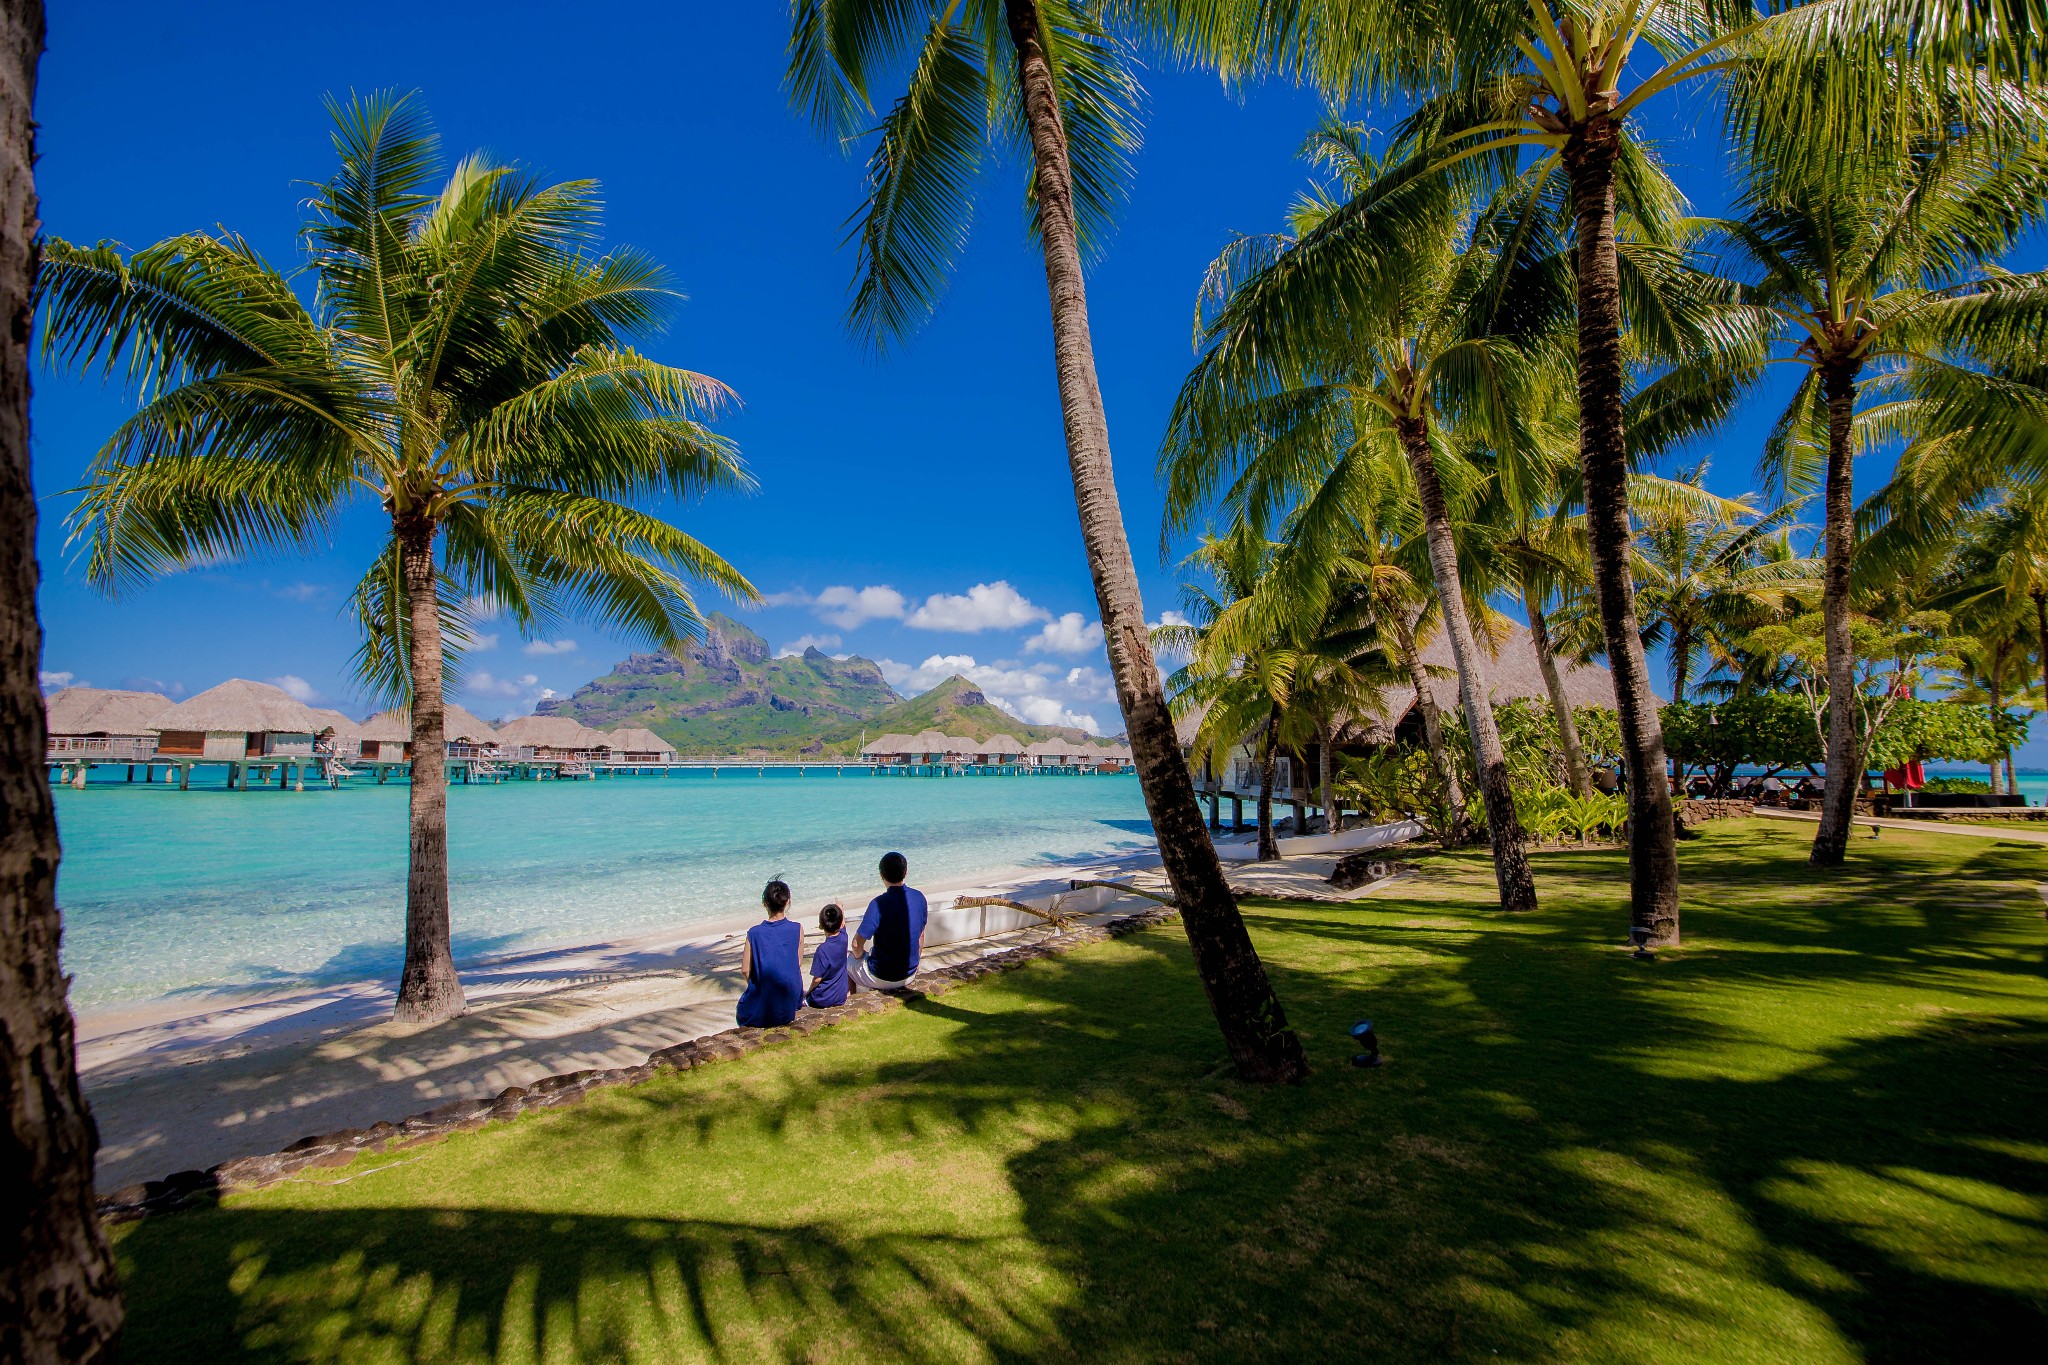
{"x": 890, "y": 939}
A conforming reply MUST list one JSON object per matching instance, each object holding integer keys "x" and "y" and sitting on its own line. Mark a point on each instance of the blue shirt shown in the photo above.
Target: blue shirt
{"x": 828, "y": 966}
{"x": 892, "y": 926}
{"x": 776, "y": 984}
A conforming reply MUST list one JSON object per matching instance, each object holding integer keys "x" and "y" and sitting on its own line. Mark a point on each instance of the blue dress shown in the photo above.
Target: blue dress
{"x": 828, "y": 965}
{"x": 777, "y": 984}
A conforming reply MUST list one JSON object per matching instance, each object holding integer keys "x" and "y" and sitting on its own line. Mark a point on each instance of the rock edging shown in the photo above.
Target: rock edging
{"x": 192, "y": 1189}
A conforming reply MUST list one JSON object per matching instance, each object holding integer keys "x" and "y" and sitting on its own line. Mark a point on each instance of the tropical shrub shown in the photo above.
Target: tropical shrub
{"x": 1769, "y": 730}
{"x": 1956, "y": 786}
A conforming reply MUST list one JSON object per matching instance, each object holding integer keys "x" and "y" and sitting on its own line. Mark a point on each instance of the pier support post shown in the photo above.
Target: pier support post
{"x": 1215, "y": 811}
{"x": 131, "y": 772}
{"x": 1300, "y": 819}
{"x": 1237, "y": 815}
{"x": 184, "y": 777}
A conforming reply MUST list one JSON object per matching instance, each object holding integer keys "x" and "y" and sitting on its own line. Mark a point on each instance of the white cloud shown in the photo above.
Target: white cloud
{"x": 804, "y": 642}
{"x": 1171, "y": 618}
{"x": 1038, "y": 695}
{"x": 985, "y": 606}
{"x": 56, "y": 682}
{"x": 795, "y": 597}
{"x": 550, "y": 646}
{"x": 848, "y": 608}
{"x": 481, "y": 609}
{"x": 485, "y": 684}
{"x": 1072, "y": 633}
{"x": 300, "y": 592}
{"x": 485, "y": 642}
{"x": 297, "y": 688}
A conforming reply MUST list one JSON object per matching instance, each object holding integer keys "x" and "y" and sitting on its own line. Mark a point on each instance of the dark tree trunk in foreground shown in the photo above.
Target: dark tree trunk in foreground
{"x": 1603, "y": 464}
{"x": 1844, "y": 756}
{"x": 1510, "y": 855}
{"x": 1998, "y": 703}
{"x": 429, "y": 990}
{"x": 1254, "y": 1026}
{"x": 1560, "y": 705}
{"x": 1269, "y": 846}
{"x": 59, "y": 1300}
{"x": 1432, "y": 726}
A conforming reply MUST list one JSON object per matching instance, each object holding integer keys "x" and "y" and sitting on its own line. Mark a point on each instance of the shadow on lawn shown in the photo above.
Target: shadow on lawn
{"x": 1570, "y": 1154}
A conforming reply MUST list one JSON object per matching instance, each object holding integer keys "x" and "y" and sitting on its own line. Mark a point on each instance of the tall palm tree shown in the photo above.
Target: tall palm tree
{"x": 1046, "y": 79}
{"x": 1807, "y": 88}
{"x": 1299, "y": 391}
{"x": 59, "y": 1299}
{"x": 1863, "y": 272}
{"x": 464, "y": 366}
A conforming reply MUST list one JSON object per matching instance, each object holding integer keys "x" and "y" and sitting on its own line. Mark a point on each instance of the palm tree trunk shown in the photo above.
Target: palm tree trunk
{"x": 1254, "y": 1025}
{"x": 1681, "y": 662}
{"x": 59, "y": 1300}
{"x": 1510, "y": 854}
{"x": 1603, "y": 464}
{"x": 1269, "y": 845}
{"x": 1844, "y": 756}
{"x": 1997, "y": 702}
{"x": 429, "y": 991}
{"x": 1432, "y": 724}
{"x": 1560, "y": 705}
{"x": 1333, "y": 823}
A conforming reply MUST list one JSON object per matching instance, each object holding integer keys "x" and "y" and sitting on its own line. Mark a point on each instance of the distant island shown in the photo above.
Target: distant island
{"x": 729, "y": 694}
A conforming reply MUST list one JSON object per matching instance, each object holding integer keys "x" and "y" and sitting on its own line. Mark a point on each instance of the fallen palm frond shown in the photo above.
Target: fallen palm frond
{"x": 1054, "y": 916}
{"x": 1128, "y": 890}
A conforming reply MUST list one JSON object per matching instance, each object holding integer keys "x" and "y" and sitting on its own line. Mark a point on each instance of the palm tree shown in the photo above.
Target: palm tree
{"x": 465, "y": 364}
{"x": 1299, "y": 391}
{"x": 1808, "y": 88}
{"x": 1046, "y": 78}
{"x": 59, "y": 1299}
{"x": 1863, "y": 272}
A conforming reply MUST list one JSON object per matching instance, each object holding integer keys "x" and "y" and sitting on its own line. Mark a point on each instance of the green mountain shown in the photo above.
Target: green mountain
{"x": 729, "y": 695}
{"x": 955, "y": 707}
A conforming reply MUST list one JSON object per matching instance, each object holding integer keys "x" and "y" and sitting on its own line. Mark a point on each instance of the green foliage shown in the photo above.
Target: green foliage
{"x": 1956, "y": 786}
{"x": 1529, "y": 739}
{"x": 1764, "y": 729}
{"x": 1554, "y": 812}
{"x": 1397, "y": 783}
{"x": 1942, "y": 729}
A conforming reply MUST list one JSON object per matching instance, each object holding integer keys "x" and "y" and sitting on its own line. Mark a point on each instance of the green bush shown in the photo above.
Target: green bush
{"x": 1956, "y": 786}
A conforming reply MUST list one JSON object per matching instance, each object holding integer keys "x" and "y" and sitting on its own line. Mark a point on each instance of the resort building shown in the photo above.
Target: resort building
{"x": 387, "y": 736}
{"x": 550, "y": 737}
{"x": 251, "y": 727}
{"x": 342, "y": 740}
{"x": 998, "y": 750}
{"x": 633, "y": 744}
{"x": 102, "y": 725}
{"x": 888, "y": 749}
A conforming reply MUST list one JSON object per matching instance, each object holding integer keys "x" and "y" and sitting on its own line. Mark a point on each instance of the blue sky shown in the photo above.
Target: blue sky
{"x": 914, "y": 509}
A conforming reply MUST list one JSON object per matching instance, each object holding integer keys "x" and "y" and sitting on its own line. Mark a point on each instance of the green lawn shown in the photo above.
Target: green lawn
{"x": 1818, "y": 1132}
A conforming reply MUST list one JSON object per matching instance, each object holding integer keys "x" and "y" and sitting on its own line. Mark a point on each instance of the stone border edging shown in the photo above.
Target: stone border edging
{"x": 190, "y": 1189}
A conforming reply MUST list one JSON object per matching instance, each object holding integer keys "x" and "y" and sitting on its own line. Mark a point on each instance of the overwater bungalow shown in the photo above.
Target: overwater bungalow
{"x": 387, "y": 736}
{"x": 889, "y": 749}
{"x": 87, "y": 726}
{"x": 552, "y": 737}
{"x": 931, "y": 746}
{"x": 634, "y": 744}
{"x": 250, "y": 727}
{"x": 342, "y": 740}
{"x": 998, "y": 750}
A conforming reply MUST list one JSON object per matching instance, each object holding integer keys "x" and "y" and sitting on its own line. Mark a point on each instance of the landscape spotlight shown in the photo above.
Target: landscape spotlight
{"x": 1640, "y": 936}
{"x": 1367, "y": 1039}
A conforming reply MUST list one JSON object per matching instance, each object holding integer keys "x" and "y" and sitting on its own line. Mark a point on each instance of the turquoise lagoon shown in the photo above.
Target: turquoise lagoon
{"x": 175, "y": 894}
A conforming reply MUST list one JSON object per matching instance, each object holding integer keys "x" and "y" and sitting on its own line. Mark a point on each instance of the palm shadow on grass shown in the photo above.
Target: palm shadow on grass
{"x": 1815, "y": 1135}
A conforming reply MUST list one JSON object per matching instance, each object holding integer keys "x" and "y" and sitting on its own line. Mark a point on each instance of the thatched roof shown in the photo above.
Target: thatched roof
{"x": 930, "y": 742}
{"x": 999, "y": 744}
{"x": 888, "y": 744}
{"x": 339, "y": 723}
{"x": 239, "y": 704}
{"x": 637, "y": 739}
{"x": 1512, "y": 673}
{"x": 551, "y": 732}
{"x": 457, "y": 724}
{"x": 103, "y": 711}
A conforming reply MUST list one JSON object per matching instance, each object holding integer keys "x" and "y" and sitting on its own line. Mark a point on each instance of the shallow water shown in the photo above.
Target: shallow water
{"x": 166, "y": 892}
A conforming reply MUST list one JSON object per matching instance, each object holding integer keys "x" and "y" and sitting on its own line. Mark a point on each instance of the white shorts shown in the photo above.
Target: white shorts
{"x": 868, "y": 981}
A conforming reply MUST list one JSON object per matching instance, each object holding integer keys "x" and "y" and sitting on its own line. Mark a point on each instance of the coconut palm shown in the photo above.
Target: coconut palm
{"x": 464, "y": 367}
{"x": 59, "y": 1298}
{"x": 1864, "y": 272}
{"x": 1045, "y": 83}
{"x": 1808, "y": 88}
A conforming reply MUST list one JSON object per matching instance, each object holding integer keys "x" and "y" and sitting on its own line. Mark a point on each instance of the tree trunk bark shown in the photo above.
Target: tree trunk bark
{"x": 59, "y": 1299}
{"x": 1560, "y": 705}
{"x": 2041, "y": 625}
{"x": 1681, "y": 662}
{"x": 1603, "y": 463}
{"x": 1432, "y": 724}
{"x": 1269, "y": 845}
{"x": 429, "y": 991}
{"x": 1333, "y": 823}
{"x": 1844, "y": 756}
{"x": 1511, "y": 872}
{"x": 1253, "y": 1024}
{"x": 1997, "y": 704}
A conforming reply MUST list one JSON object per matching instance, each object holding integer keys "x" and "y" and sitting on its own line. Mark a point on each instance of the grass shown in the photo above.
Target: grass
{"x": 1814, "y": 1133}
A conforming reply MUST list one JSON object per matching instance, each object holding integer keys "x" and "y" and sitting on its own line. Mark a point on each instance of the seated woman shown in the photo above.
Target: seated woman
{"x": 828, "y": 964}
{"x": 773, "y": 963}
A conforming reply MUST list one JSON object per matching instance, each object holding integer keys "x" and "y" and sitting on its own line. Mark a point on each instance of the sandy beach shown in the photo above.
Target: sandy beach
{"x": 184, "y": 1085}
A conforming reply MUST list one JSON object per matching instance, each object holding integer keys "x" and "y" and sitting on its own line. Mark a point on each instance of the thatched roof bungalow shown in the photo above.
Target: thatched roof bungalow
{"x": 238, "y": 720}
{"x": 635, "y": 744}
{"x": 999, "y": 749}
{"x": 387, "y": 736}
{"x": 102, "y": 722}
{"x": 552, "y": 736}
{"x": 890, "y": 748}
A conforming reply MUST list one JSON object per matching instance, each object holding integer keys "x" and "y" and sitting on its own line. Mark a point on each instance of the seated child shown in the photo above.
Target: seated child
{"x": 828, "y": 964}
